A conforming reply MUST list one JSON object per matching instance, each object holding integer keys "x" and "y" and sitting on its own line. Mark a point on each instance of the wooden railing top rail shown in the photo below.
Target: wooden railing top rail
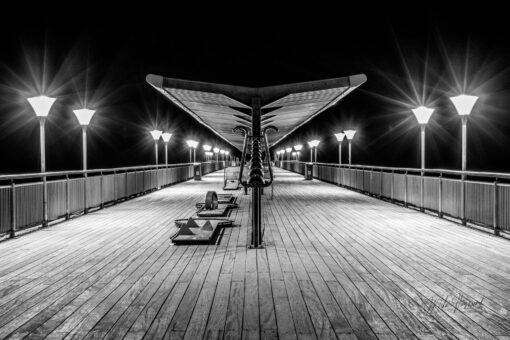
{"x": 91, "y": 171}
{"x": 500, "y": 175}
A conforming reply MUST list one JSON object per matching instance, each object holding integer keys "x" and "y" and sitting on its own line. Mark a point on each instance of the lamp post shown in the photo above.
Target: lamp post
{"x": 222, "y": 153}
{"x": 422, "y": 115}
{"x": 294, "y": 155}
{"x": 340, "y": 137}
{"x": 206, "y": 148}
{"x": 192, "y": 144}
{"x": 84, "y": 116}
{"x": 227, "y": 155}
{"x": 41, "y": 106}
{"x": 298, "y": 150}
{"x": 464, "y": 104}
{"x": 216, "y": 151}
{"x": 166, "y": 138}
{"x": 288, "y": 150}
{"x": 155, "y": 135}
{"x": 350, "y": 135}
{"x": 313, "y": 144}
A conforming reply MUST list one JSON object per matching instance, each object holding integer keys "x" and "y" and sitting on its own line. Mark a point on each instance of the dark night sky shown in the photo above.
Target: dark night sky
{"x": 99, "y": 56}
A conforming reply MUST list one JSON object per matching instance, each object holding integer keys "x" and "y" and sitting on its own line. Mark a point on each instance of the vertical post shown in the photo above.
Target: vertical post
{"x": 194, "y": 156}
{"x": 255, "y": 175}
{"x": 84, "y": 142}
{"x": 156, "y": 151}
{"x": 114, "y": 187}
{"x": 440, "y": 194}
{"x": 405, "y": 191}
{"x": 350, "y": 159}
{"x": 495, "y": 211}
{"x": 311, "y": 155}
{"x": 392, "y": 185}
{"x": 463, "y": 176}
{"x": 12, "y": 232}
{"x": 101, "y": 203}
{"x": 422, "y": 173}
{"x": 166, "y": 154}
{"x": 42, "y": 136}
{"x": 68, "y": 198}
{"x": 315, "y": 154}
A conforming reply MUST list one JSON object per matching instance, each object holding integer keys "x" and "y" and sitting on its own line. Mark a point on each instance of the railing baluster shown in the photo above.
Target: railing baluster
{"x": 68, "y": 198}
{"x": 440, "y": 194}
{"x": 495, "y": 211}
{"x": 12, "y": 233}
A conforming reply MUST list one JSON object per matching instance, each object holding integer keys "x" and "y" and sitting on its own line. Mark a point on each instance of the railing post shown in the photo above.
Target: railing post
{"x": 126, "y": 185}
{"x": 463, "y": 199}
{"x": 12, "y": 232}
{"x": 114, "y": 187}
{"x": 495, "y": 211}
{"x": 45, "y": 202}
{"x": 68, "y": 198}
{"x": 392, "y": 185}
{"x": 381, "y": 191}
{"x": 422, "y": 191}
{"x": 101, "y": 195}
{"x": 85, "y": 193}
{"x": 405, "y": 190}
{"x": 440, "y": 194}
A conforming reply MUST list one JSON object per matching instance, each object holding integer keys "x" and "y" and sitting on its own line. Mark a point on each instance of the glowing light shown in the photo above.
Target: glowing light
{"x": 41, "y": 105}
{"x": 294, "y": 154}
{"x": 288, "y": 150}
{"x": 422, "y": 114}
{"x": 314, "y": 143}
{"x": 298, "y": 147}
{"x": 227, "y": 152}
{"x": 464, "y": 103}
{"x": 282, "y": 151}
{"x": 192, "y": 143}
{"x": 207, "y": 147}
{"x": 216, "y": 150}
{"x": 156, "y": 134}
{"x": 340, "y": 136}
{"x": 84, "y": 116}
{"x": 166, "y": 137}
{"x": 350, "y": 134}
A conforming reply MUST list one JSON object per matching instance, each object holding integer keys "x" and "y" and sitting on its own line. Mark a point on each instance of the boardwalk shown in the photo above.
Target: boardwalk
{"x": 337, "y": 264}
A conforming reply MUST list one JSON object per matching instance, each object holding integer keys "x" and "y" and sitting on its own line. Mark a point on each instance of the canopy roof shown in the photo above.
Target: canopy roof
{"x": 223, "y": 107}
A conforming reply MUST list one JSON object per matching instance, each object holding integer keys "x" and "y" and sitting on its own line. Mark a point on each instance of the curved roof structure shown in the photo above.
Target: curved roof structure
{"x": 223, "y": 107}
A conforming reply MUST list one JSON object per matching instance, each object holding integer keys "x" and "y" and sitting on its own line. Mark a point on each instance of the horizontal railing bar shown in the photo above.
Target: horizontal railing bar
{"x": 499, "y": 175}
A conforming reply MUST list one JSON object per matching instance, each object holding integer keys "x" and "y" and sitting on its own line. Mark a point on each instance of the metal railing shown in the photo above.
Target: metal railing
{"x": 480, "y": 198}
{"x": 28, "y": 200}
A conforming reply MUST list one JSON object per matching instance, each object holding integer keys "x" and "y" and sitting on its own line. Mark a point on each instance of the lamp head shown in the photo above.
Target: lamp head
{"x": 350, "y": 134}
{"x": 41, "y": 105}
{"x": 207, "y": 147}
{"x": 166, "y": 137}
{"x": 192, "y": 143}
{"x": 84, "y": 116}
{"x": 422, "y": 114}
{"x": 340, "y": 136}
{"x": 288, "y": 150}
{"x": 464, "y": 103}
{"x": 156, "y": 134}
{"x": 222, "y": 152}
{"x": 298, "y": 147}
{"x": 216, "y": 150}
{"x": 314, "y": 143}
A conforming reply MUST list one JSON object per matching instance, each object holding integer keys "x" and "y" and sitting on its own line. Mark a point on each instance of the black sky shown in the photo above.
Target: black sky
{"x": 98, "y": 55}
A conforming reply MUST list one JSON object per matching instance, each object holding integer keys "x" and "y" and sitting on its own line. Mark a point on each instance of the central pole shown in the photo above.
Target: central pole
{"x": 315, "y": 154}
{"x": 256, "y": 174}
{"x": 194, "y": 156}
{"x": 464, "y": 142}
{"x": 311, "y": 155}
{"x": 422, "y": 133}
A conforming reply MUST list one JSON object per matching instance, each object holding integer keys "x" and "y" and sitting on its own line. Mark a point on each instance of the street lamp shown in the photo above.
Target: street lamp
{"x": 464, "y": 104}
{"x": 41, "y": 106}
{"x": 216, "y": 151}
{"x": 166, "y": 138}
{"x": 227, "y": 153}
{"x": 294, "y": 155}
{"x": 350, "y": 135}
{"x": 84, "y": 116}
{"x": 155, "y": 135}
{"x": 298, "y": 149}
{"x": 288, "y": 150}
{"x": 192, "y": 144}
{"x": 222, "y": 153}
{"x": 313, "y": 144}
{"x": 422, "y": 115}
{"x": 340, "y": 137}
{"x": 206, "y": 148}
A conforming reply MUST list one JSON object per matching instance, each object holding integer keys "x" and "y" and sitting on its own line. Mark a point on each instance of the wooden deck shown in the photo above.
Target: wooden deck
{"x": 337, "y": 264}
